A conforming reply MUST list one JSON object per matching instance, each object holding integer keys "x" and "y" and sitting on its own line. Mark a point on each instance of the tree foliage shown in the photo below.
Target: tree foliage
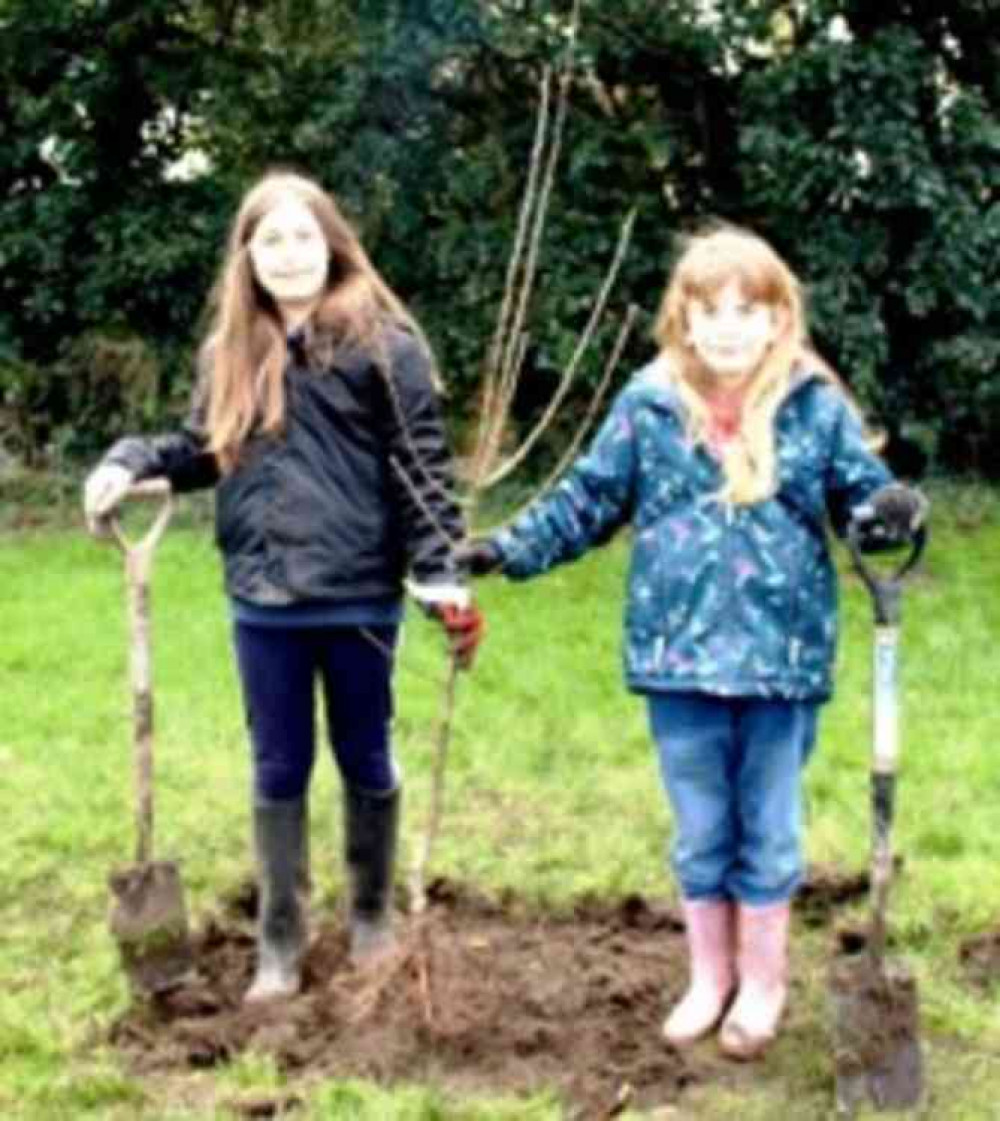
{"x": 862, "y": 139}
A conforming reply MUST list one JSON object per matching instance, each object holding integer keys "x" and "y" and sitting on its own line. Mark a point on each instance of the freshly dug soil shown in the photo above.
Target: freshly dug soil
{"x": 485, "y": 996}
{"x": 980, "y": 958}
{"x": 826, "y": 889}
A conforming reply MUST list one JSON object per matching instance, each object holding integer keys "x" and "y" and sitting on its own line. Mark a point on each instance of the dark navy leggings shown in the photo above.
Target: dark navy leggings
{"x": 279, "y": 667}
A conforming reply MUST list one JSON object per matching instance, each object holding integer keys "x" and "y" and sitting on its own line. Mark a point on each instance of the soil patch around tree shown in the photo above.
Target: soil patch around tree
{"x": 485, "y": 996}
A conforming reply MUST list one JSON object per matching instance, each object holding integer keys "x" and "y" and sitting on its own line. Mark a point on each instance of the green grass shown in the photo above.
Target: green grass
{"x": 552, "y": 793}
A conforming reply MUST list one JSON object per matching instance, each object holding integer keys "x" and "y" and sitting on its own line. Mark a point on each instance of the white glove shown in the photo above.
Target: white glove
{"x": 430, "y": 596}
{"x": 103, "y": 492}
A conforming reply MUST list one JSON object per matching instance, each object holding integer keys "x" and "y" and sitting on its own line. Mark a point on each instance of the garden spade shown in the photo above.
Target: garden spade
{"x": 877, "y": 1047}
{"x": 148, "y": 916}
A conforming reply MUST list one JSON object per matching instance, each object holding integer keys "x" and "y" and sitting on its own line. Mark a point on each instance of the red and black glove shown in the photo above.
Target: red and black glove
{"x": 465, "y": 627}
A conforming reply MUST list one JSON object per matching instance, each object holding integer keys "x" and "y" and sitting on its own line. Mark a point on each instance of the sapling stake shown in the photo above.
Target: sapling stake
{"x": 502, "y": 372}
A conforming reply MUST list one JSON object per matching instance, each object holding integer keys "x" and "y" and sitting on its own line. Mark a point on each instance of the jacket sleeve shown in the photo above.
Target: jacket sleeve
{"x": 420, "y": 465}
{"x": 854, "y": 471}
{"x": 181, "y": 456}
{"x": 593, "y": 500}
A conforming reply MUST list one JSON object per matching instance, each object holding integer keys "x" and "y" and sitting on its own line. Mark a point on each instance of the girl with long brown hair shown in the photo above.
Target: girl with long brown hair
{"x": 316, "y": 419}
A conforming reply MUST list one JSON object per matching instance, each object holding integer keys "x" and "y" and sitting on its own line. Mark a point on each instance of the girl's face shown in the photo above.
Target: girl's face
{"x": 290, "y": 257}
{"x": 730, "y": 333}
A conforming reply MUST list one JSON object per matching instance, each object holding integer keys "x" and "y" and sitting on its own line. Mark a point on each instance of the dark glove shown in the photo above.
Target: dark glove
{"x": 889, "y": 518}
{"x": 465, "y": 627}
{"x": 478, "y": 557}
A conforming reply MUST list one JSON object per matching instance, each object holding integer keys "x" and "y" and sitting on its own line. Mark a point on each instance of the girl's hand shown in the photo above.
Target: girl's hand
{"x": 465, "y": 627}
{"x": 890, "y": 517}
{"x": 103, "y": 492}
{"x": 478, "y": 557}
{"x": 453, "y": 608}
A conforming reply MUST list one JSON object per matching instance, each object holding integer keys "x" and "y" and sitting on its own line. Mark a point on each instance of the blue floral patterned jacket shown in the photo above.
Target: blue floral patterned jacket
{"x": 727, "y": 600}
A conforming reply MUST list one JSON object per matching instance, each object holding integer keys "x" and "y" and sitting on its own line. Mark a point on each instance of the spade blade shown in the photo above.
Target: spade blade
{"x": 877, "y": 1054}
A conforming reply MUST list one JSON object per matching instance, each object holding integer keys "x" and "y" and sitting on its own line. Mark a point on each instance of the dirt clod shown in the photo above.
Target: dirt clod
{"x": 980, "y": 958}
{"x": 265, "y": 1107}
{"x": 825, "y": 889}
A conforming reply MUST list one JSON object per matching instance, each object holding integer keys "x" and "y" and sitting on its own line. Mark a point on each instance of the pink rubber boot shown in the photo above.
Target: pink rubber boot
{"x": 762, "y": 965}
{"x": 709, "y": 930}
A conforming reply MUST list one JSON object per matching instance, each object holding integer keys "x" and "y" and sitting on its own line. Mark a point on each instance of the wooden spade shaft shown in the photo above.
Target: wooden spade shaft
{"x": 148, "y": 917}
{"x": 138, "y": 566}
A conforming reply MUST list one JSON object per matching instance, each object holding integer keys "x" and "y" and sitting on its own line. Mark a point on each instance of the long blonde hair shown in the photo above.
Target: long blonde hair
{"x": 710, "y": 260}
{"x": 244, "y": 354}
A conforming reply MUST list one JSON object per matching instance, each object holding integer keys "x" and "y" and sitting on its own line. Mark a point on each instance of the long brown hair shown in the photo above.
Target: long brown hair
{"x": 710, "y": 260}
{"x": 244, "y": 354}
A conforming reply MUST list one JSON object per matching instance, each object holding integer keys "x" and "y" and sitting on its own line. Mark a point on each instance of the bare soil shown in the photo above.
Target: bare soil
{"x": 485, "y": 996}
{"x": 980, "y": 958}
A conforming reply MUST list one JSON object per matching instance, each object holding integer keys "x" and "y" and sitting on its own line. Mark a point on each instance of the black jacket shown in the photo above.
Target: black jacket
{"x": 356, "y": 492}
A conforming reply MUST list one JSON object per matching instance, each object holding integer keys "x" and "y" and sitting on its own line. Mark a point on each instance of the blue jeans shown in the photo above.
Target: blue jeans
{"x": 732, "y": 769}
{"x": 279, "y": 667}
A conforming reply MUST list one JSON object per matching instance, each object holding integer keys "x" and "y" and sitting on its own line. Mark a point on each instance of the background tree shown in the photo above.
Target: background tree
{"x": 862, "y": 139}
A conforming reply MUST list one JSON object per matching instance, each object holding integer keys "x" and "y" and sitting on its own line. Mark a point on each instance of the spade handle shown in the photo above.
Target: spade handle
{"x": 138, "y": 566}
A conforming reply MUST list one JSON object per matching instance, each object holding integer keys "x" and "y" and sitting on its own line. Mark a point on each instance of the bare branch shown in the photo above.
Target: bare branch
{"x": 418, "y": 887}
{"x": 595, "y": 403}
{"x": 435, "y": 485}
{"x": 505, "y": 363}
{"x": 538, "y": 222}
{"x": 570, "y": 372}
{"x": 421, "y": 501}
{"x": 494, "y": 362}
{"x": 503, "y": 401}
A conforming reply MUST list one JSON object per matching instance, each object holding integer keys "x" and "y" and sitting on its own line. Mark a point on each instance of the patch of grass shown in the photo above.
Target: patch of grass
{"x": 552, "y": 792}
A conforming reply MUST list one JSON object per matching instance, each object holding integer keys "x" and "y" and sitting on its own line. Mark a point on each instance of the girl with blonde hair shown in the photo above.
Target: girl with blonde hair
{"x": 315, "y": 418}
{"x": 729, "y": 455}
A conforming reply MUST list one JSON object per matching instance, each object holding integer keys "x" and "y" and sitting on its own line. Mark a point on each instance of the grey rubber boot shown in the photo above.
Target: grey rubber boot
{"x": 371, "y": 830}
{"x": 281, "y": 845}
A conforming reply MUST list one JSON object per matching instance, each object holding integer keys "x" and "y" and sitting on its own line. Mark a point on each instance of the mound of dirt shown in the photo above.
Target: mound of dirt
{"x": 484, "y": 996}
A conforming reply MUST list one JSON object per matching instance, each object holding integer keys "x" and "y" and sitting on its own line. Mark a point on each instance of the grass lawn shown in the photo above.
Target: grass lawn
{"x": 552, "y": 794}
